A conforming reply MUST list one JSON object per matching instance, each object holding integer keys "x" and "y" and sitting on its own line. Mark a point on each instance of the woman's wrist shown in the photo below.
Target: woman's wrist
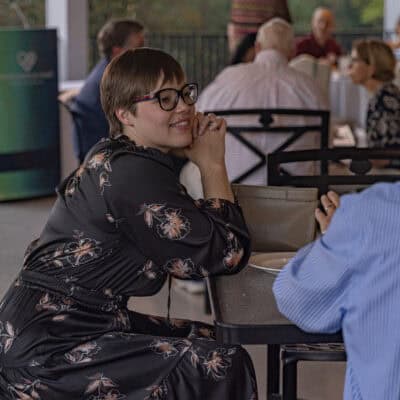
{"x": 215, "y": 182}
{"x": 212, "y": 169}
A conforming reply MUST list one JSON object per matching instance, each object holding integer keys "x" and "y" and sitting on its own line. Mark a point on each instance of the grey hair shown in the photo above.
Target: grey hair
{"x": 276, "y": 34}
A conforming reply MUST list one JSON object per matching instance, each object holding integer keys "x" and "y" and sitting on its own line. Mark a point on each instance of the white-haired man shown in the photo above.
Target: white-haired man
{"x": 268, "y": 82}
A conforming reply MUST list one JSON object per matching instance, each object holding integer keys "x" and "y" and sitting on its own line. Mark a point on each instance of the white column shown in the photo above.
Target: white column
{"x": 70, "y": 17}
{"x": 391, "y": 14}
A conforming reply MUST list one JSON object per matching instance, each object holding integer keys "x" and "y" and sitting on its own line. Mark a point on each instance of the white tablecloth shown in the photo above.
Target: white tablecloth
{"x": 348, "y": 101}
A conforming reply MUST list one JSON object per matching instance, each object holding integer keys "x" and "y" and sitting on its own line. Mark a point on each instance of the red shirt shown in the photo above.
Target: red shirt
{"x": 308, "y": 45}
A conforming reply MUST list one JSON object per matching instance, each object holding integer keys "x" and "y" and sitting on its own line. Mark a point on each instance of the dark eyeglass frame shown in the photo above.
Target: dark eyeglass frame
{"x": 179, "y": 93}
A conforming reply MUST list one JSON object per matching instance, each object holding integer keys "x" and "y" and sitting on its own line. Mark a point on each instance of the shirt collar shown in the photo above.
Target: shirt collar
{"x": 272, "y": 57}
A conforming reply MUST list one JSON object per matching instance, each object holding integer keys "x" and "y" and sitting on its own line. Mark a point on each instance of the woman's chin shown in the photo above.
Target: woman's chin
{"x": 184, "y": 139}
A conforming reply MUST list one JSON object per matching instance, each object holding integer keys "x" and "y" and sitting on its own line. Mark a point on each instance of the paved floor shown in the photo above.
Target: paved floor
{"x": 21, "y": 222}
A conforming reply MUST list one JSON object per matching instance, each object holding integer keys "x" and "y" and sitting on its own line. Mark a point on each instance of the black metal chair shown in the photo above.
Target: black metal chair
{"x": 265, "y": 125}
{"x": 292, "y": 354}
{"x": 360, "y": 166}
{"x": 266, "y": 119}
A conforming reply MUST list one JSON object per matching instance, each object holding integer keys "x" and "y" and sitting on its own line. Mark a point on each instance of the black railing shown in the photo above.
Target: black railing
{"x": 347, "y": 38}
{"x": 203, "y": 55}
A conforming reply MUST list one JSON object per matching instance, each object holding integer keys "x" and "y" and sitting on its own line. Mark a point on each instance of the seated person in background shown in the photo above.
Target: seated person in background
{"x": 122, "y": 226}
{"x": 114, "y": 37}
{"x": 268, "y": 82}
{"x": 320, "y": 43}
{"x": 349, "y": 280}
{"x": 372, "y": 66}
{"x": 245, "y": 51}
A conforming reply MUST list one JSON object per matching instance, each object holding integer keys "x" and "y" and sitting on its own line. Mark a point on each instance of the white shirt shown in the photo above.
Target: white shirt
{"x": 268, "y": 82}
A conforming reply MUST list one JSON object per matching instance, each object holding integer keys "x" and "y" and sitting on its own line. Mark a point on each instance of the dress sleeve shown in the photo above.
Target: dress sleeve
{"x": 186, "y": 238}
{"x": 312, "y": 290}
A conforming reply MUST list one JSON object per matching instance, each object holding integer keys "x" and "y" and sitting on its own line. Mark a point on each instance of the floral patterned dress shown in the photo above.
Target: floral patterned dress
{"x": 383, "y": 117}
{"x": 121, "y": 225}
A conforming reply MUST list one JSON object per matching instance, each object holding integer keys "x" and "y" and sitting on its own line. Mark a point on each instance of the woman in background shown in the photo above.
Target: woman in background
{"x": 373, "y": 66}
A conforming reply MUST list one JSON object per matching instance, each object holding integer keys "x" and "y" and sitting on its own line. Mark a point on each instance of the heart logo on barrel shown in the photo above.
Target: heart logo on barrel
{"x": 26, "y": 60}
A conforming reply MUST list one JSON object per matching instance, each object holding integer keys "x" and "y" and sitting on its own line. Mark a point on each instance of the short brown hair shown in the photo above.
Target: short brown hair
{"x": 115, "y": 33}
{"x": 134, "y": 73}
{"x": 380, "y": 55}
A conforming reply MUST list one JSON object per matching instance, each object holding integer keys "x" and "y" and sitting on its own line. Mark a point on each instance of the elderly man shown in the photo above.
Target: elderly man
{"x": 114, "y": 37}
{"x": 268, "y": 82}
{"x": 320, "y": 43}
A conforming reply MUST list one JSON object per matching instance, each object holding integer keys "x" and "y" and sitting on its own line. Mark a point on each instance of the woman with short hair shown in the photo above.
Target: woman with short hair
{"x": 121, "y": 226}
{"x": 373, "y": 66}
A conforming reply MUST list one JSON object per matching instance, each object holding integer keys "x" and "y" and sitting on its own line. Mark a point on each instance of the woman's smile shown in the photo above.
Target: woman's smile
{"x": 182, "y": 124}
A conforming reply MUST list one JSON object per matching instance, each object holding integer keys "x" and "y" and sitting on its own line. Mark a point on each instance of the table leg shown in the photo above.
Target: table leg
{"x": 273, "y": 369}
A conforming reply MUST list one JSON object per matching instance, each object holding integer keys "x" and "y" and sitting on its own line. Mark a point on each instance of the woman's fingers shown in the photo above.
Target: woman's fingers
{"x": 203, "y": 123}
{"x": 215, "y": 125}
{"x": 222, "y": 125}
{"x": 195, "y": 127}
{"x": 208, "y": 122}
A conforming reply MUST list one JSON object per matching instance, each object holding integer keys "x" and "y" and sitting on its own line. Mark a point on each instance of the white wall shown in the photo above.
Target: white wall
{"x": 391, "y": 14}
{"x": 70, "y": 17}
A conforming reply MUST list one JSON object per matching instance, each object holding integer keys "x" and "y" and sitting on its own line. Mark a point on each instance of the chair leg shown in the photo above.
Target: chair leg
{"x": 273, "y": 370}
{"x": 207, "y": 305}
{"x": 289, "y": 380}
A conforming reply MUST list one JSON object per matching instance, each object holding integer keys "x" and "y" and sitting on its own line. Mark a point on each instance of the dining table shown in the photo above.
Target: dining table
{"x": 245, "y": 313}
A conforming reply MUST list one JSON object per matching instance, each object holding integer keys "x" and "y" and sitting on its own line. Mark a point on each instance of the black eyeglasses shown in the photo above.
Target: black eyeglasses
{"x": 168, "y": 98}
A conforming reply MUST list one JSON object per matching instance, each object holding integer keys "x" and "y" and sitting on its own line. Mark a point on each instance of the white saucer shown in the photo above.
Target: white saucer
{"x": 270, "y": 262}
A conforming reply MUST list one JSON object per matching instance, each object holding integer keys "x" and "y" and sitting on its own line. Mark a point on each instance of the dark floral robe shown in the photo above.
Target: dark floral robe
{"x": 121, "y": 225}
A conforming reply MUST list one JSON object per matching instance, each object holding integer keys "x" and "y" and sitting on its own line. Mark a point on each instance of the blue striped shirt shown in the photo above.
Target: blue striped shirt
{"x": 349, "y": 279}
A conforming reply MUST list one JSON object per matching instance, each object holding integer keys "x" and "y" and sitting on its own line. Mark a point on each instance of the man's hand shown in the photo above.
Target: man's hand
{"x": 330, "y": 202}
{"x": 68, "y": 95}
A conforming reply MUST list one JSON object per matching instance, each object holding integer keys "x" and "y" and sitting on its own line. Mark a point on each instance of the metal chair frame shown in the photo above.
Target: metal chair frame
{"x": 291, "y": 355}
{"x": 266, "y": 118}
{"x": 360, "y": 166}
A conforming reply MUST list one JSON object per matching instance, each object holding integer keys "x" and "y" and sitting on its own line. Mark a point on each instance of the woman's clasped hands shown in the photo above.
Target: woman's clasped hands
{"x": 208, "y": 146}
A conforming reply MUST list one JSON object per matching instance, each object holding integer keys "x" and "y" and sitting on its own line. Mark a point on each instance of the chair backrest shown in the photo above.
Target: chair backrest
{"x": 75, "y": 116}
{"x": 359, "y": 171}
{"x": 316, "y": 70}
{"x": 278, "y": 218}
{"x": 272, "y": 122}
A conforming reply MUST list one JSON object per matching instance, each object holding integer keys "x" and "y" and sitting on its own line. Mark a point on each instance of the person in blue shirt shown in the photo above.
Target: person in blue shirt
{"x": 349, "y": 280}
{"x": 90, "y": 123}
